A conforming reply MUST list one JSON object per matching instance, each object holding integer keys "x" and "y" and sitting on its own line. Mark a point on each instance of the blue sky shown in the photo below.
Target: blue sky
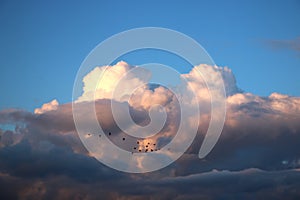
{"x": 42, "y": 153}
{"x": 44, "y": 43}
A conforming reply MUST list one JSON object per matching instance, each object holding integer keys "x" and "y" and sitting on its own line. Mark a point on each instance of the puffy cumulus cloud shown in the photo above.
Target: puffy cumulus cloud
{"x": 145, "y": 98}
{"x": 284, "y": 103}
{"x": 213, "y": 76}
{"x": 52, "y": 105}
{"x": 124, "y": 82}
{"x": 101, "y": 82}
{"x": 273, "y": 110}
{"x": 257, "y": 155}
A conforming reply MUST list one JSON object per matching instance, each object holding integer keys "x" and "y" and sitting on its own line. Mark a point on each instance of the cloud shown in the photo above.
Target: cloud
{"x": 101, "y": 82}
{"x": 257, "y": 155}
{"x": 52, "y": 105}
{"x": 215, "y": 184}
{"x": 293, "y": 44}
{"x": 118, "y": 81}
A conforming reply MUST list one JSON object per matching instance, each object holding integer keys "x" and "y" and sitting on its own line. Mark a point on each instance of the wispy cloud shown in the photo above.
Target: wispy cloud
{"x": 292, "y": 44}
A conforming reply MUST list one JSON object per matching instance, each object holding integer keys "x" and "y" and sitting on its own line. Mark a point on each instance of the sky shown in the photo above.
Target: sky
{"x": 44, "y": 43}
{"x": 44, "y": 154}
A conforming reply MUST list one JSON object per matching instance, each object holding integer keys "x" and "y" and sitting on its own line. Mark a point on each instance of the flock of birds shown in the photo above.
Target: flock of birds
{"x": 147, "y": 148}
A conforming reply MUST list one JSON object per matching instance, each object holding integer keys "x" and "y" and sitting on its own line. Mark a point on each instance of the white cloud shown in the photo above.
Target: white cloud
{"x": 102, "y": 82}
{"x": 123, "y": 82}
{"x": 52, "y": 105}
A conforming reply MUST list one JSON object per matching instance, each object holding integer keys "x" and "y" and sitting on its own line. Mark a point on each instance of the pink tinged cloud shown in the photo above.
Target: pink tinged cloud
{"x": 52, "y": 105}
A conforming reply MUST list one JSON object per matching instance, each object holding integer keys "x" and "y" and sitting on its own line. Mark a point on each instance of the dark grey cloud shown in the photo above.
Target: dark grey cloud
{"x": 23, "y": 160}
{"x": 246, "y": 184}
